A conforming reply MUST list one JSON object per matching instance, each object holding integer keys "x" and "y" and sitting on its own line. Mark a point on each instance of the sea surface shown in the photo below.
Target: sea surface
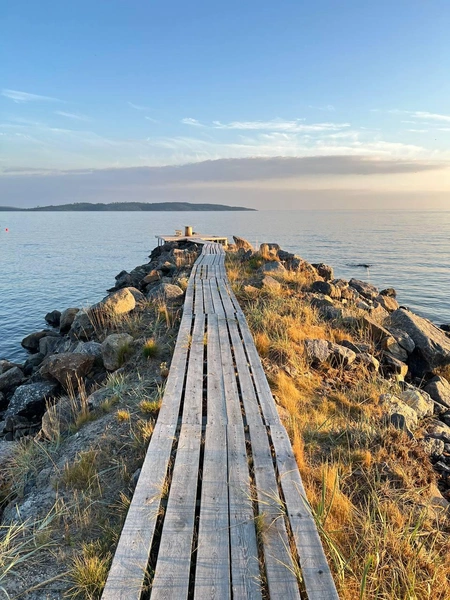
{"x": 58, "y": 260}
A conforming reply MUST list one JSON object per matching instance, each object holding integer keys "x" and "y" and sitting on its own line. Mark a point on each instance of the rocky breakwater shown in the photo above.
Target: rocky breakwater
{"x": 82, "y": 345}
{"x": 399, "y": 347}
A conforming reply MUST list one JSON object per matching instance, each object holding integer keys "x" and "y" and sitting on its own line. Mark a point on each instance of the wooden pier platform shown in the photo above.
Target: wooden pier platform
{"x": 219, "y": 511}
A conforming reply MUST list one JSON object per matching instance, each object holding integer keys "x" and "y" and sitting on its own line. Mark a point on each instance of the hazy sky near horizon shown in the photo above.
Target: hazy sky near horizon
{"x": 100, "y": 101}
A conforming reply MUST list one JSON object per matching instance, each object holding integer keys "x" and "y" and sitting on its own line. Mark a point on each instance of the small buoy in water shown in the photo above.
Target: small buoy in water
{"x": 6, "y": 229}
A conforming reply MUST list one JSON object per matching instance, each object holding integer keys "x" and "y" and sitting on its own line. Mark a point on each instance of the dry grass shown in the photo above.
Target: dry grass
{"x": 368, "y": 485}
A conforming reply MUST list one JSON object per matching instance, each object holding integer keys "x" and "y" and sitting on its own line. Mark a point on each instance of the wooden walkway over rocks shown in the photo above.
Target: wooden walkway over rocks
{"x": 219, "y": 511}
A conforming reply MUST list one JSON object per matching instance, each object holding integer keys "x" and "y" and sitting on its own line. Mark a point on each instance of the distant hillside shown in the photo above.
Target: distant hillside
{"x": 129, "y": 206}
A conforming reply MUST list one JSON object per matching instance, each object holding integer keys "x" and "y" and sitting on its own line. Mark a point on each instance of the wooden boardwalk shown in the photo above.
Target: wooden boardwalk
{"x": 219, "y": 511}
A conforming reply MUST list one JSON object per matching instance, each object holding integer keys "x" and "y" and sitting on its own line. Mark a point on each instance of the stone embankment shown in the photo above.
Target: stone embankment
{"x": 399, "y": 346}
{"x": 77, "y": 348}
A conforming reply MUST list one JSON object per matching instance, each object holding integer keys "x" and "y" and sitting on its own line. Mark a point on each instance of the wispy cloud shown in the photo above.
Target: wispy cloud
{"x": 151, "y": 120}
{"x": 327, "y": 107}
{"x": 418, "y": 130}
{"x": 138, "y": 106}
{"x": 73, "y": 116}
{"x": 189, "y": 121}
{"x": 421, "y": 114}
{"x": 26, "y": 97}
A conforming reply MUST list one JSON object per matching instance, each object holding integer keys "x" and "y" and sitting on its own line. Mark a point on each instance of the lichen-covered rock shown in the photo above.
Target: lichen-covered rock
{"x": 432, "y": 345}
{"x": 399, "y": 414}
{"x": 113, "y": 350}
{"x": 66, "y": 320}
{"x": 439, "y": 390}
{"x": 437, "y": 429}
{"x": 317, "y": 351}
{"x": 365, "y": 289}
{"x": 433, "y": 446}
{"x": 67, "y": 368}
{"x": 117, "y": 303}
{"x": 420, "y": 401}
{"x": 29, "y": 400}
{"x": 11, "y": 378}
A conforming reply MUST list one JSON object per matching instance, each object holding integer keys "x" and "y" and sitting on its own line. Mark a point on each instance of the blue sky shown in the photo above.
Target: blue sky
{"x": 115, "y": 85}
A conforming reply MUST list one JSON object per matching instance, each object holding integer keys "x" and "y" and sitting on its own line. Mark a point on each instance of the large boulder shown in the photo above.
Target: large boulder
{"x": 437, "y": 429}
{"x": 398, "y": 413}
{"x": 33, "y": 363}
{"x": 82, "y": 327}
{"x": 368, "y": 361}
{"x": 324, "y": 271}
{"x": 326, "y": 288}
{"x": 392, "y": 365}
{"x": 439, "y": 390}
{"x": 367, "y": 290}
{"x": 53, "y": 318}
{"x": 117, "y": 303}
{"x": 340, "y": 355}
{"x": 241, "y": 243}
{"x": 420, "y": 401}
{"x": 317, "y": 351}
{"x": 113, "y": 349}
{"x": 5, "y": 365}
{"x": 432, "y": 345}
{"x": 270, "y": 283}
{"x": 66, "y": 320}
{"x": 11, "y": 378}
{"x": 167, "y": 292}
{"x": 139, "y": 297}
{"x": 31, "y": 342}
{"x": 402, "y": 338}
{"x": 272, "y": 266}
{"x": 29, "y": 400}
{"x": 50, "y": 344}
{"x": 387, "y": 302}
{"x": 67, "y": 368}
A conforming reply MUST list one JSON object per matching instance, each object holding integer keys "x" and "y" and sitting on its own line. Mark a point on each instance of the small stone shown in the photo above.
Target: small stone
{"x": 112, "y": 350}
{"x": 418, "y": 400}
{"x": 433, "y": 446}
{"x": 399, "y": 414}
{"x": 340, "y": 355}
{"x": 437, "y": 429}
{"x": 317, "y": 351}
{"x": 269, "y": 282}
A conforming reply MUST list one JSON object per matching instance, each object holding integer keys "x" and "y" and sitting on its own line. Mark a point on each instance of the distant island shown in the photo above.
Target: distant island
{"x": 129, "y": 206}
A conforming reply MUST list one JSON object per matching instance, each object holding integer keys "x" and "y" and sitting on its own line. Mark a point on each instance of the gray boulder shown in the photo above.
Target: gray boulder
{"x": 242, "y": 244}
{"x": 418, "y": 400}
{"x": 82, "y": 327}
{"x": 324, "y": 271}
{"x": 53, "y": 318}
{"x": 387, "y": 302}
{"x": 340, "y": 355}
{"x": 317, "y": 351}
{"x": 31, "y": 342}
{"x": 167, "y": 292}
{"x": 117, "y": 303}
{"x": 402, "y": 339}
{"x": 326, "y": 288}
{"x": 432, "y": 345}
{"x": 437, "y": 429}
{"x": 270, "y": 283}
{"x": 433, "y": 446}
{"x": 66, "y": 320}
{"x": 5, "y": 365}
{"x": 439, "y": 390}
{"x": 112, "y": 350}
{"x": 365, "y": 289}
{"x": 139, "y": 297}
{"x": 50, "y": 344}
{"x": 399, "y": 414}
{"x": 13, "y": 377}
{"x": 67, "y": 368}
{"x": 32, "y": 364}
{"x": 29, "y": 400}
{"x": 389, "y": 292}
{"x": 369, "y": 361}
{"x": 392, "y": 365}
{"x": 272, "y": 267}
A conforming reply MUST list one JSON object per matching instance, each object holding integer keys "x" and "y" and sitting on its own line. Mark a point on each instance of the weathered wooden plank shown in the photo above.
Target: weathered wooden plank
{"x": 207, "y": 298}
{"x": 173, "y": 565}
{"x": 216, "y": 403}
{"x": 316, "y": 573}
{"x": 198, "y": 297}
{"x": 212, "y": 575}
{"x": 129, "y": 567}
{"x": 226, "y": 300}
{"x": 218, "y": 307}
{"x": 193, "y": 396}
{"x": 280, "y": 568}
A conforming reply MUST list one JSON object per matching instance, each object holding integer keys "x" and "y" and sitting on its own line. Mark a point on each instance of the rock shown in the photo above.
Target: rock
{"x": 317, "y": 351}
{"x": 167, "y": 268}
{"x": 387, "y": 302}
{"x": 324, "y": 271}
{"x": 269, "y": 282}
{"x": 270, "y": 246}
{"x": 13, "y": 377}
{"x": 88, "y": 348}
{"x": 251, "y": 290}
{"x": 31, "y": 364}
{"x": 267, "y": 252}
{"x": 241, "y": 243}
{"x": 402, "y": 339}
{"x": 432, "y": 345}
{"x": 358, "y": 348}
{"x": 419, "y": 401}
{"x": 393, "y": 365}
{"x": 340, "y": 355}
{"x": 377, "y": 332}
{"x": 117, "y": 303}
{"x": 151, "y": 277}
{"x": 166, "y": 292}
{"x": 112, "y": 350}
{"x": 66, "y": 320}
{"x": 369, "y": 361}
{"x": 31, "y": 342}
{"x": 349, "y": 294}
{"x": 53, "y": 318}
{"x": 320, "y": 302}
{"x": 272, "y": 267}
{"x": 433, "y": 446}
{"x": 365, "y": 289}
{"x": 96, "y": 399}
{"x": 445, "y": 417}
{"x": 5, "y": 365}
{"x": 377, "y": 312}
{"x": 437, "y": 429}
{"x": 50, "y": 344}
{"x": 399, "y": 414}
{"x": 439, "y": 390}
{"x": 29, "y": 400}
{"x": 82, "y": 327}
{"x": 445, "y": 327}
{"x": 139, "y": 297}
{"x": 441, "y": 466}
{"x": 390, "y": 345}
{"x": 67, "y": 368}
{"x": 389, "y": 292}
{"x": 123, "y": 279}
{"x": 326, "y": 288}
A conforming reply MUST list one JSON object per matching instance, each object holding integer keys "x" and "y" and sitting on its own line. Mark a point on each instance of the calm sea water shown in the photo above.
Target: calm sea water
{"x": 57, "y": 260}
